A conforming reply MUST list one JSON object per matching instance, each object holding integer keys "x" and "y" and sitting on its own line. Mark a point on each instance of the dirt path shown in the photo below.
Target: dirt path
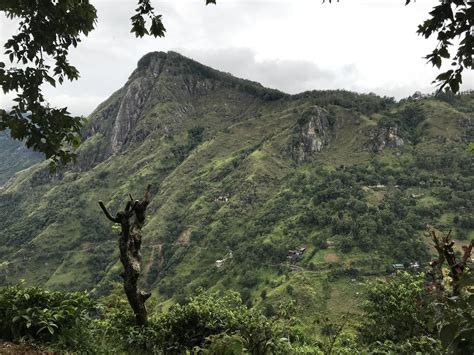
{"x": 331, "y": 258}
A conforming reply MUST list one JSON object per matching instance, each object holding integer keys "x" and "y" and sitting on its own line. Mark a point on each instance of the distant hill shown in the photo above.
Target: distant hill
{"x": 249, "y": 176}
{"x": 14, "y": 156}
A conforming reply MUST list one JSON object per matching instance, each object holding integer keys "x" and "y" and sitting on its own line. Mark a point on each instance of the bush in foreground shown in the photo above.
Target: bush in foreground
{"x": 39, "y": 315}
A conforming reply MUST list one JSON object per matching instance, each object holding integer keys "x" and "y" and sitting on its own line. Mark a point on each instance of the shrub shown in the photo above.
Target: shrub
{"x": 38, "y": 314}
{"x": 397, "y": 309}
{"x": 416, "y": 345}
{"x": 204, "y": 319}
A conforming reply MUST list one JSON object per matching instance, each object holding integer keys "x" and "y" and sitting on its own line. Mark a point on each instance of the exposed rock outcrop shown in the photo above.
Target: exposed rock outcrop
{"x": 313, "y": 133}
{"x": 143, "y": 82}
{"x": 383, "y": 137}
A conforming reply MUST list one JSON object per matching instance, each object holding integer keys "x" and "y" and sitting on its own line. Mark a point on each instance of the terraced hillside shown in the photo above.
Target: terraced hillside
{"x": 248, "y": 176}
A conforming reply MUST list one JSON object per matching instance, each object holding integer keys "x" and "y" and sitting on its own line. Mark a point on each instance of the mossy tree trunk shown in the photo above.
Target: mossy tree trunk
{"x": 131, "y": 221}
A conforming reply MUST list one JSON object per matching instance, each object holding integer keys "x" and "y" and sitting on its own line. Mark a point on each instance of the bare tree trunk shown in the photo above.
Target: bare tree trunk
{"x": 131, "y": 221}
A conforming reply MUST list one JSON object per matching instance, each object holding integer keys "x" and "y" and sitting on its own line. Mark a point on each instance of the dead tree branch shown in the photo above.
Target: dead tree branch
{"x": 107, "y": 214}
{"x": 445, "y": 248}
{"x": 131, "y": 220}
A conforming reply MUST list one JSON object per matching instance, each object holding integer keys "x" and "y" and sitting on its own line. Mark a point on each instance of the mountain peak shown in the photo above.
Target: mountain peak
{"x": 165, "y": 91}
{"x": 157, "y": 56}
{"x": 179, "y": 64}
{"x": 150, "y": 58}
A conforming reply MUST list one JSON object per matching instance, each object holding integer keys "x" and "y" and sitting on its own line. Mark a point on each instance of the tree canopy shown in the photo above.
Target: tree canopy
{"x": 47, "y": 29}
{"x": 451, "y": 20}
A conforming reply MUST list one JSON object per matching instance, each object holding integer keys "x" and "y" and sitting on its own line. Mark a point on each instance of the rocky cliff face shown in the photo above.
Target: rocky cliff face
{"x": 131, "y": 106}
{"x": 116, "y": 120}
{"x": 385, "y": 137}
{"x": 313, "y": 133}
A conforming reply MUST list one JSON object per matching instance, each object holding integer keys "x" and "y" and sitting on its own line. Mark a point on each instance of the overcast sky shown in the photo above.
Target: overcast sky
{"x": 291, "y": 45}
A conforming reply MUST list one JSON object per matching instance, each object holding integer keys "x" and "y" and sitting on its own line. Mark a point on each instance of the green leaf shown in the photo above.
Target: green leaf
{"x": 50, "y": 80}
{"x": 444, "y": 76}
{"x": 157, "y": 28}
{"x": 454, "y": 85}
{"x": 443, "y": 52}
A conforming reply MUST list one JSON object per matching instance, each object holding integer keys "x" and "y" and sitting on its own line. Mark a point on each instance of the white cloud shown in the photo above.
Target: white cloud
{"x": 368, "y": 45}
{"x": 289, "y": 75}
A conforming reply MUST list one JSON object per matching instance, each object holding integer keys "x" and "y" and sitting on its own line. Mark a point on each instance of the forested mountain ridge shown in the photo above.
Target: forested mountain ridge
{"x": 244, "y": 174}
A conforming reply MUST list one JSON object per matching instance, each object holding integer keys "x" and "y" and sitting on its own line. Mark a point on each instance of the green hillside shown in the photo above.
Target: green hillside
{"x": 244, "y": 174}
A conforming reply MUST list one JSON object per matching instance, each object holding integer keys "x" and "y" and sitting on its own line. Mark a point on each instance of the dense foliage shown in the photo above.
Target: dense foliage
{"x": 72, "y": 321}
{"x": 37, "y": 314}
{"x": 339, "y": 204}
{"x": 401, "y": 316}
{"x": 397, "y": 310}
{"x": 191, "y": 324}
{"x": 363, "y": 103}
